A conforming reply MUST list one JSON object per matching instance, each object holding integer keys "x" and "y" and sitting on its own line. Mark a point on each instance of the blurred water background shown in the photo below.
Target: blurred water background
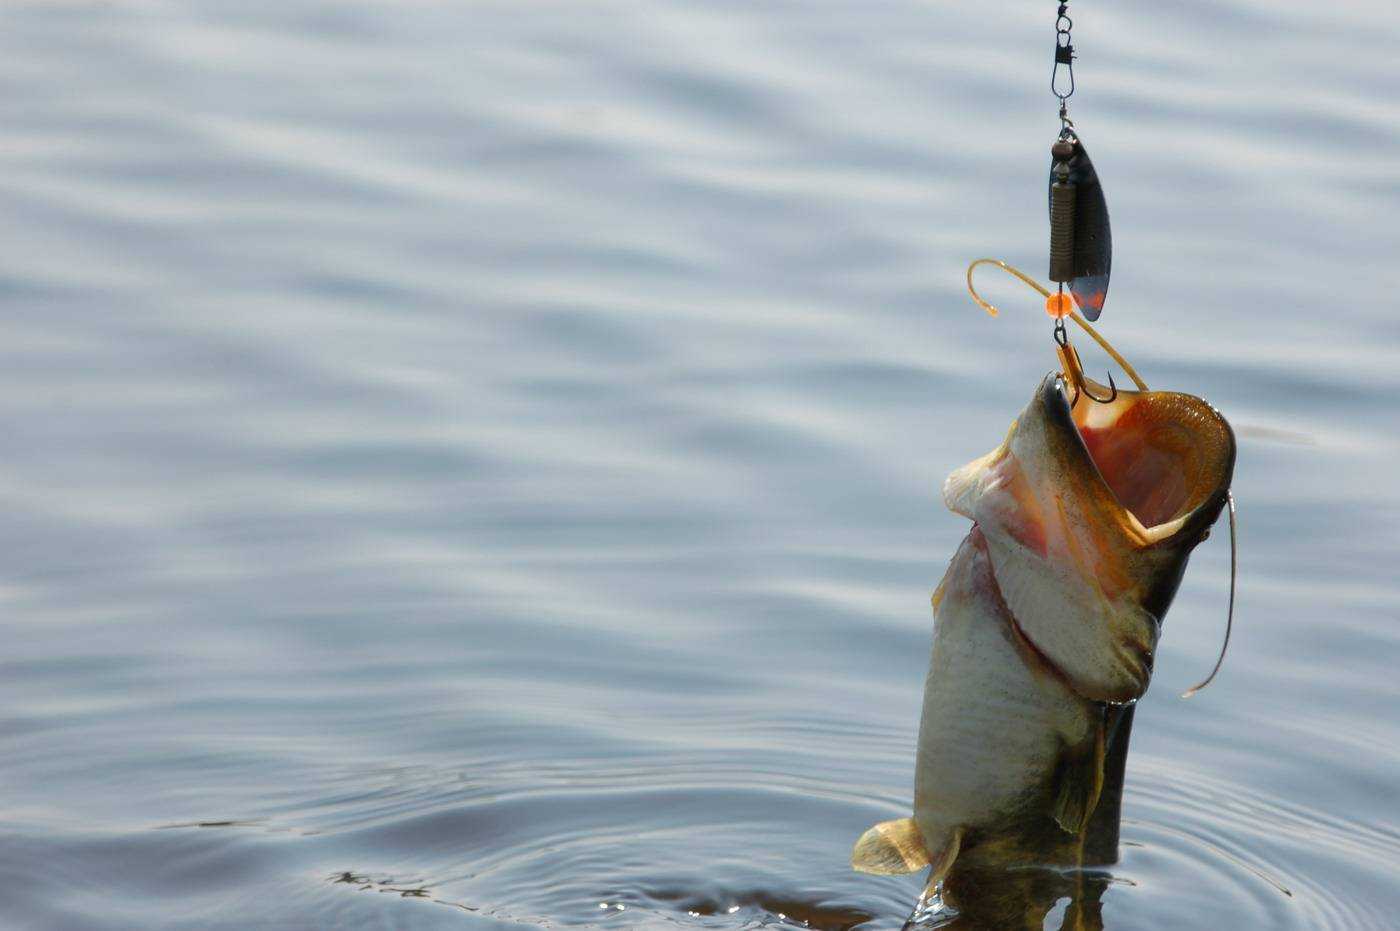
{"x": 475, "y": 464}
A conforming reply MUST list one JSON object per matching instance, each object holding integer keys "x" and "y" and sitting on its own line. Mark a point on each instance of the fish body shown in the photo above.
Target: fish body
{"x": 973, "y": 771}
{"x": 1046, "y": 625}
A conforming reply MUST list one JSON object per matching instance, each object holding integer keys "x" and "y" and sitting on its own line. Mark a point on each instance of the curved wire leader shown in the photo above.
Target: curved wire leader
{"x": 1230, "y": 614}
{"x": 1070, "y": 360}
{"x": 1073, "y": 315}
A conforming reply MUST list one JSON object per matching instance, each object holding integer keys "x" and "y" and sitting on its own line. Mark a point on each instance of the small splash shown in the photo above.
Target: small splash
{"x": 931, "y": 911}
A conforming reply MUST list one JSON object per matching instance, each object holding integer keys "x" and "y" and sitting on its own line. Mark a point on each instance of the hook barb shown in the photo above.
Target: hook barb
{"x": 1113, "y": 392}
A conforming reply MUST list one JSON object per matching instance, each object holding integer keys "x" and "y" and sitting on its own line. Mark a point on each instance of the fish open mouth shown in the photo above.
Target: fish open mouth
{"x": 1164, "y": 457}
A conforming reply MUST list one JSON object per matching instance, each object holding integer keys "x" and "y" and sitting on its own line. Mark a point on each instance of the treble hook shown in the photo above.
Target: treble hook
{"x": 1112, "y": 388}
{"x": 1074, "y": 369}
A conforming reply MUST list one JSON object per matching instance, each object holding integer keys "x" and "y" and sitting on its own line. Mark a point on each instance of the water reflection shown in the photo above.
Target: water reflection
{"x": 496, "y": 448}
{"x": 404, "y": 889}
{"x": 769, "y": 909}
{"x": 1032, "y": 898}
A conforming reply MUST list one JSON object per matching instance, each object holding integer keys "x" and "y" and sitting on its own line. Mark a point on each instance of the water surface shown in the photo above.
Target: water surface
{"x": 476, "y": 465}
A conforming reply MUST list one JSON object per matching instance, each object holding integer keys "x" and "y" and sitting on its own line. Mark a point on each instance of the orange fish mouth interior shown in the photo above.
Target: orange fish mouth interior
{"x": 1161, "y": 453}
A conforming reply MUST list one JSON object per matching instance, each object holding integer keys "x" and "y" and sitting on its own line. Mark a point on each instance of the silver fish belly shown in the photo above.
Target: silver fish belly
{"x": 997, "y": 718}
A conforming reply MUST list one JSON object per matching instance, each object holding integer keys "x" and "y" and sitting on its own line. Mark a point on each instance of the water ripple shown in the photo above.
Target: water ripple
{"x": 479, "y": 466}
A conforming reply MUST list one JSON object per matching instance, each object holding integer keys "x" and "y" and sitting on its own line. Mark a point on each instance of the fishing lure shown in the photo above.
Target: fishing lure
{"x": 1081, "y": 240}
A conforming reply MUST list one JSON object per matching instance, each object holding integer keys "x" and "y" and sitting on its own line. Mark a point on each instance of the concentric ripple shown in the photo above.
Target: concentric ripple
{"x": 476, "y": 465}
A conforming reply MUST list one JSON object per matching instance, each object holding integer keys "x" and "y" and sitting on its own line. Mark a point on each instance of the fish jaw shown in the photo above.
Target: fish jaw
{"x": 1086, "y": 581}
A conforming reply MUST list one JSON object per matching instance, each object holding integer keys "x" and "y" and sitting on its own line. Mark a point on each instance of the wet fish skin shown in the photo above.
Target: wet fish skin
{"x": 1047, "y": 622}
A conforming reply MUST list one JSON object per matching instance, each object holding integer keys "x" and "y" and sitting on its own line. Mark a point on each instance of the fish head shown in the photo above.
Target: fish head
{"x": 1090, "y": 512}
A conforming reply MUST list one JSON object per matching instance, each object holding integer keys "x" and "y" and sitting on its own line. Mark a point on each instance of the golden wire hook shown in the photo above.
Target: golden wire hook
{"x": 1073, "y": 315}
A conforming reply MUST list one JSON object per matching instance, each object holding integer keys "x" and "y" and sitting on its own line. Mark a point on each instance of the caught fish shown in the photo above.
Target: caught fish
{"x": 1048, "y": 618}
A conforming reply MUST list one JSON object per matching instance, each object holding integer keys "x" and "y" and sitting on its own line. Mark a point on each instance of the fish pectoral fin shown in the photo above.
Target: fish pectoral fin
{"x": 1079, "y": 779}
{"x": 890, "y": 848}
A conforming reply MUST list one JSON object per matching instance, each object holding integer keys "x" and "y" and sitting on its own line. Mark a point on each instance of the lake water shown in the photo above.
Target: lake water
{"x": 476, "y": 465}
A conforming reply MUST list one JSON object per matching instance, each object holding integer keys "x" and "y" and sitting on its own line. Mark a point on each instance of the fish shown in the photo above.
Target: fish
{"x": 1046, "y": 626}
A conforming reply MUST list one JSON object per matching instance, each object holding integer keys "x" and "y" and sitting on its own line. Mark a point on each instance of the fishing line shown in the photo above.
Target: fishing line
{"x": 1062, "y": 83}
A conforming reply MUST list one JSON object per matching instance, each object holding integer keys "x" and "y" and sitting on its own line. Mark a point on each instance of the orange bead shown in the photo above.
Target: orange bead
{"x": 1058, "y": 305}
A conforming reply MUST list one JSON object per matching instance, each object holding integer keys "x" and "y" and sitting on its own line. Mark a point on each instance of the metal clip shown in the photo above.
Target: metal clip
{"x": 1064, "y": 58}
{"x": 1062, "y": 84}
